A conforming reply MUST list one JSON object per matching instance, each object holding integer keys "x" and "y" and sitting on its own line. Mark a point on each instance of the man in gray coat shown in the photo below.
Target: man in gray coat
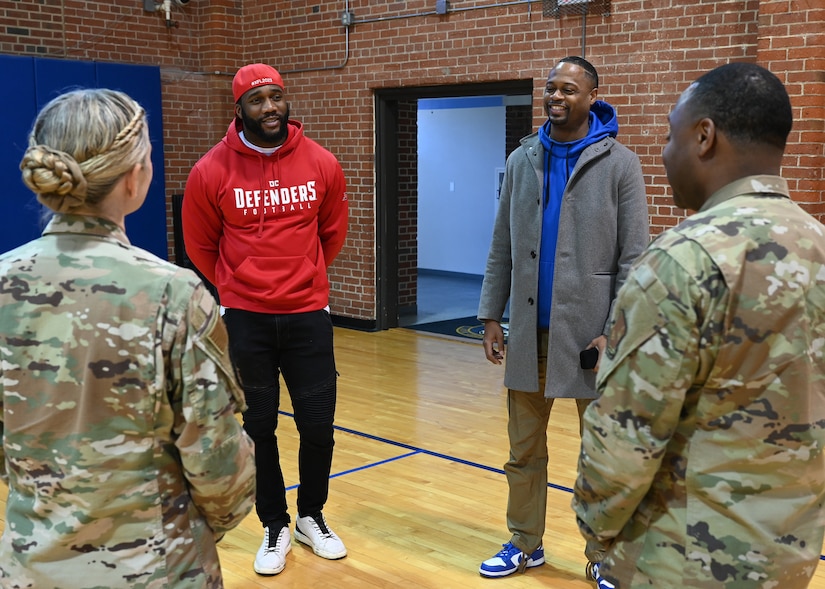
{"x": 572, "y": 218}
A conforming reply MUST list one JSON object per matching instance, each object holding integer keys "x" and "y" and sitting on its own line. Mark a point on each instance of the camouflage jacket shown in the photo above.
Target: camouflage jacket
{"x": 702, "y": 461}
{"x": 122, "y": 453}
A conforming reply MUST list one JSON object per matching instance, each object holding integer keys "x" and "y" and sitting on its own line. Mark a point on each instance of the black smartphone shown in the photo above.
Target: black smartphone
{"x": 589, "y": 358}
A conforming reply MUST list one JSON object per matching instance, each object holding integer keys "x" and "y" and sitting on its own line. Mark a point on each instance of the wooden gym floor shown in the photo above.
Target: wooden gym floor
{"x": 417, "y": 492}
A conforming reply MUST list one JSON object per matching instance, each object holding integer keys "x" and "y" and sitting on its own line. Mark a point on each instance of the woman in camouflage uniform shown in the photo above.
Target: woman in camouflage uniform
{"x": 124, "y": 459}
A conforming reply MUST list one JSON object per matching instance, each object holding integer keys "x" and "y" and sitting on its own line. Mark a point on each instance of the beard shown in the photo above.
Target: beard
{"x": 255, "y": 132}
{"x": 555, "y": 117}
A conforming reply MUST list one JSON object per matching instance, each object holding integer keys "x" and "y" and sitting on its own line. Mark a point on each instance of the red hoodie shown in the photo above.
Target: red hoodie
{"x": 264, "y": 229}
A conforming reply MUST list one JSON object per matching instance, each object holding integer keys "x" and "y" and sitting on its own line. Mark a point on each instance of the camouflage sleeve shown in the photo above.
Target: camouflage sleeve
{"x": 4, "y": 476}
{"x": 648, "y": 368}
{"x": 217, "y": 455}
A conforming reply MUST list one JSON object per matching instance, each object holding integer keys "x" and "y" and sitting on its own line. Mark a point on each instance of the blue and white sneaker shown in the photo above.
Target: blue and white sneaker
{"x": 591, "y": 572}
{"x": 509, "y": 560}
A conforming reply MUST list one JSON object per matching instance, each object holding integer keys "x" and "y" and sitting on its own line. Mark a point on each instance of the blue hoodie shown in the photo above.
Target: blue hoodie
{"x": 559, "y": 161}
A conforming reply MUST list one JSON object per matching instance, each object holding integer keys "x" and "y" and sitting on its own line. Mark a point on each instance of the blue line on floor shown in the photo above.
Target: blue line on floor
{"x": 343, "y": 472}
{"x": 419, "y": 451}
{"x": 415, "y": 451}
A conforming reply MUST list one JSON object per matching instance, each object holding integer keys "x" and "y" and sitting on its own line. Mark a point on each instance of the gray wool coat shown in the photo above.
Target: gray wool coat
{"x": 603, "y": 227}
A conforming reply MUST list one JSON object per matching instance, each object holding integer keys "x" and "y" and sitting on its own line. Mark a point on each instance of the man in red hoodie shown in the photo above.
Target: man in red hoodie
{"x": 264, "y": 215}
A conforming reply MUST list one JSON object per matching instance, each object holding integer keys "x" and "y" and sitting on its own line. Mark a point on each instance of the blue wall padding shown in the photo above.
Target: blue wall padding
{"x": 31, "y": 82}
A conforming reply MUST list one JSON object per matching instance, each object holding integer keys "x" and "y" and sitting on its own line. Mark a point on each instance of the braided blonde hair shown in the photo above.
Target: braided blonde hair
{"x": 81, "y": 144}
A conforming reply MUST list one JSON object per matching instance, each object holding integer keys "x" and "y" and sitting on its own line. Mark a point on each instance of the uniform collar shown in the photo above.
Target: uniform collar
{"x": 762, "y": 185}
{"x": 67, "y": 223}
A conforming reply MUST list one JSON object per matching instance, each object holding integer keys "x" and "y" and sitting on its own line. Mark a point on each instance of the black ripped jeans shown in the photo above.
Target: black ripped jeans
{"x": 299, "y": 346}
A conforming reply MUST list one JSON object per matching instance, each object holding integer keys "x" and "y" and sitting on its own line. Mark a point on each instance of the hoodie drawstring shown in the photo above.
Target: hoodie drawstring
{"x": 262, "y": 159}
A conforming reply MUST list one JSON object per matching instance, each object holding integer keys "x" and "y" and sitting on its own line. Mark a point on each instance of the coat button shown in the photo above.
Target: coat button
{"x": 533, "y": 254}
{"x": 530, "y": 300}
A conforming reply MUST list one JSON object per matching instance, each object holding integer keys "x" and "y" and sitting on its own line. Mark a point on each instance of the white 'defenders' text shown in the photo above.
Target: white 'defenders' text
{"x": 276, "y": 199}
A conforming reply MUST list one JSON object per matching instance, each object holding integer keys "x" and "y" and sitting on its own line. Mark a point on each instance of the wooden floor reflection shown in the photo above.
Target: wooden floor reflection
{"x": 417, "y": 491}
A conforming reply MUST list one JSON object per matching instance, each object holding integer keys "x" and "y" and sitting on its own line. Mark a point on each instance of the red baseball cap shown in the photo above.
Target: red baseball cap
{"x": 254, "y": 75}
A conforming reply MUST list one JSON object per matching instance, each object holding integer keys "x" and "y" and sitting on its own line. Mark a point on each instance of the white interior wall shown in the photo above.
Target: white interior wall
{"x": 461, "y": 145}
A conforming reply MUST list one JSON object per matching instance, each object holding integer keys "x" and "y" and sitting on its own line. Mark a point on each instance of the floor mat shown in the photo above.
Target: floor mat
{"x": 465, "y": 328}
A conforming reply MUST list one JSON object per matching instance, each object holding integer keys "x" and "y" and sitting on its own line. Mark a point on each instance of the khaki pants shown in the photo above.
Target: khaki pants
{"x": 526, "y": 470}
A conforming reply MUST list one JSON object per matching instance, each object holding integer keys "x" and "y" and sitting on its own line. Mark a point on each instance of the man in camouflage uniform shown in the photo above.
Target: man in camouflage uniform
{"x": 701, "y": 463}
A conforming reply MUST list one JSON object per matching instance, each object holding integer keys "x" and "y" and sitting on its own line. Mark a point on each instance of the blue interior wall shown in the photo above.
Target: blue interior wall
{"x": 36, "y": 81}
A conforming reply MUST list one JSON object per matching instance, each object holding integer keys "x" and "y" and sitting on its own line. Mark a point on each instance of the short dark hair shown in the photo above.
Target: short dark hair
{"x": 588, "y": 68}
{"x": 746, "y": 102}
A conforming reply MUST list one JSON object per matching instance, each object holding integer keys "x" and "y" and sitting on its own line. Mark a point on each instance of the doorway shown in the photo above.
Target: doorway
{"x": 397, "y": 286}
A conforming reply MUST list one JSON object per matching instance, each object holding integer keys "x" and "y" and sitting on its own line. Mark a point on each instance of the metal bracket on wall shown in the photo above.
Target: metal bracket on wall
{"x": 156, "y": 5}
{"x": 165, "y": 6}
{"x": 559, "y": 8}
{"x": 442, "y": 6}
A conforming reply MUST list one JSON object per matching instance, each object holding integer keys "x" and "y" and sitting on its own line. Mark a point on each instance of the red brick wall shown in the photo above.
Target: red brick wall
{"x": 407, "y": 207}
{"x": 517, "y": 120}
{"x": 792, "y": 45}
{"x": 646, "y": 54}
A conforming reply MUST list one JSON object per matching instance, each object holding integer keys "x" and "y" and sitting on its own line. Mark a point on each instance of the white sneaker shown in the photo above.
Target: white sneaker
{"x": 314, "y": 531}
{"x": 271, "y": 556}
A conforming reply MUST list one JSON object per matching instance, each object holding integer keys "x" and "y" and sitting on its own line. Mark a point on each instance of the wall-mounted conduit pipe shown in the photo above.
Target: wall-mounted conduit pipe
{"x": 529, "y": 4}
{"x": 348, "y": 19}
{"x": 347, "y": 22}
